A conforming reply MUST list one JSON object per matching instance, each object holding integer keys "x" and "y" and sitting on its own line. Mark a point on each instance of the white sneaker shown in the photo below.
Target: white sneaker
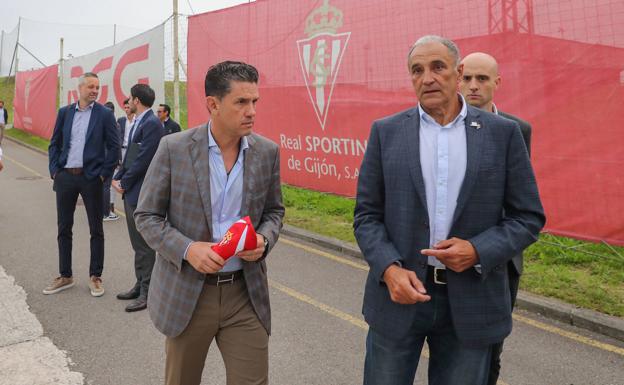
{"x": 111, "y": 217}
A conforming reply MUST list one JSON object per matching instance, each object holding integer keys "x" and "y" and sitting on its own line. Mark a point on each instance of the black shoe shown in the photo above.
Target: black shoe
{"x": 130, "y": 294}
{"x": 138, "y": 304}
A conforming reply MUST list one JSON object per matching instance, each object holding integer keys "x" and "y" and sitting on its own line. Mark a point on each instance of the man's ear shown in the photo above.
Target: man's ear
{"x": 212, "y": 103}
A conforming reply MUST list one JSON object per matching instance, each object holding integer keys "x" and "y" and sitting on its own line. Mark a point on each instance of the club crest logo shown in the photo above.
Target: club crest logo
{"x": 320, "y": 56}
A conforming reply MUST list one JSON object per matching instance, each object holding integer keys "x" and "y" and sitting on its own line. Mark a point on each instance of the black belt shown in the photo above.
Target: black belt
{"x": 436, "y": 275}
{"x": 223, "y": 278}
{"x": 74, "y": 170}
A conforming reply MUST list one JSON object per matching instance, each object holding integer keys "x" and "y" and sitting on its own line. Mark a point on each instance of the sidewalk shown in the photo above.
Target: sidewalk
{"x": 26, "y": 356}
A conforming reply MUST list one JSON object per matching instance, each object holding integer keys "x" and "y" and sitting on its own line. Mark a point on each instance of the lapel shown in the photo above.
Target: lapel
{"x": 249, "y": 172}
{"x": 474, "y": 138}
{"x": 411, "y": 132}
{"x": 67, "y": 124}
{"x": 201, "y": 166}
{"x": 147, "y": 115}
{"x": 94, "y": 116}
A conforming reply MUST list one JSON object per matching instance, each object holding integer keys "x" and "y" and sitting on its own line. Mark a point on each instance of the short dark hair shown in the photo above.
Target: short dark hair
{"x": 166, "y": 108}
{"x": 126, "y": 101}
{"x": 144, "y": 93}
{"x": 219, "y": 77}
{"x": 110, "y": 105}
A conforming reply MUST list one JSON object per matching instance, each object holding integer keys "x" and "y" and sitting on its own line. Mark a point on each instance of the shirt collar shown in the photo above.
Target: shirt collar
{"x": 90, "y": 106}
{"x": 137, "y": 119}
{"x": 494, "y": 109}
{"x": 461, "y": 116}
{"x": 244, "y": 144}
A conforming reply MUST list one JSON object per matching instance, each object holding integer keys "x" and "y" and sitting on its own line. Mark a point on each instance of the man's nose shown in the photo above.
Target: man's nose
{"x": 251, "y": 110}
{"x": 427, "y": 77}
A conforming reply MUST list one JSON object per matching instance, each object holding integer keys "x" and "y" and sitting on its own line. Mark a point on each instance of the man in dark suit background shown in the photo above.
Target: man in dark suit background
{"x": 171, "y": 126}
{"x": 446, "y": 196}
{"x": 83, "y": 152}
{"x": 143, "y": 139}
{"x": 478, "y": 84}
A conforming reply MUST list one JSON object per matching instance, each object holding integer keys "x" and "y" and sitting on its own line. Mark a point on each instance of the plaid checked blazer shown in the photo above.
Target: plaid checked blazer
{"x": 174, "y": 209}
{"x": 498, "y": 211}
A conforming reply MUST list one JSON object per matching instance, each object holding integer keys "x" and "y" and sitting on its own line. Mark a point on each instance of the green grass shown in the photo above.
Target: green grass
{"x": 321, "y": 213}
{"x": 28, "y": 138}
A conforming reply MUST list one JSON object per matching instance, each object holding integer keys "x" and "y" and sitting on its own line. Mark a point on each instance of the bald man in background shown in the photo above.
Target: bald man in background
{"x": 478, "y": 84}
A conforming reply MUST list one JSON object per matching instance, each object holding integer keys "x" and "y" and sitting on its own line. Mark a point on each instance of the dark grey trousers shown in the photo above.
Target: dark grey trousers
{"x": 497, "y": 349}
{"x": 143, "y": 256}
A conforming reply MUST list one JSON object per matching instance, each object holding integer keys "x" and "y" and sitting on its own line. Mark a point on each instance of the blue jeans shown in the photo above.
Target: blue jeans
{"x": 391, "y": 361}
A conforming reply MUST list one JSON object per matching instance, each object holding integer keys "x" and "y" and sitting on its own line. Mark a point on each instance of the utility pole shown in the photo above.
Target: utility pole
{"x": 17, "y": 43}
{"x": 114, "y": 34}
{"x": 1, "y": 49}
{"x": 176, "y": 64}
{"x": 19, "y": 23}
{"x": 61, "y": 75}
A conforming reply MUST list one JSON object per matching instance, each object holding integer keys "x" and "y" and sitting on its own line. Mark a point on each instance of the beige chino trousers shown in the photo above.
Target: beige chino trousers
{"x": 225, "y": 314}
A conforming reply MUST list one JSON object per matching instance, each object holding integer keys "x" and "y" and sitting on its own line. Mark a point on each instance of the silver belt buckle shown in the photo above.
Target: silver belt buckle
{"x": 224, "y": 281}
{"x": 435, "y": 276}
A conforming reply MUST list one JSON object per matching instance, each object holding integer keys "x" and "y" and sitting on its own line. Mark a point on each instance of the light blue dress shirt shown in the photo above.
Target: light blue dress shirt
{"x": 80, "y": 124}
{"x": 443, "y": 163}
{"x": 226, "y": 193}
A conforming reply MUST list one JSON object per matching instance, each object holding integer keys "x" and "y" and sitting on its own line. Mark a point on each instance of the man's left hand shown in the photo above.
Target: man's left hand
{"x": 255, "y": 254}
{"x": 455, "y": 253}
{"x": 117, "y": 186}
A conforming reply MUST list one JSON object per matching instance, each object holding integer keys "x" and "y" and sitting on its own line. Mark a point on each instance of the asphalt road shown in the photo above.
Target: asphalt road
{"x": 318, "y": 331}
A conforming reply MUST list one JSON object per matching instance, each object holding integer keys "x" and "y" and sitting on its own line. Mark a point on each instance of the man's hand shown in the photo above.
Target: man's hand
{"x": 405, "y": 288}
{"x": 117, "y": 186}
{"x": 255, "y": 254}
{"x": 456, "y": 254}
{"x": 201, "y": 256}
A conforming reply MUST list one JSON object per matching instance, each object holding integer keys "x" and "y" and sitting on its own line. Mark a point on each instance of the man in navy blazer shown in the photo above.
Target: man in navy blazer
{"x": 83, "y": 152}
{"x": 143, "y": 138}
{"x": 446, "y": 197}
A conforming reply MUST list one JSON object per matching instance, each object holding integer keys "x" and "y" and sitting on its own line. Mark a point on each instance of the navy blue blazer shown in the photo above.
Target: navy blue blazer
{"x": 498, "y": 211}
{"x": 147, "y": 135}
{"x": 102, "y": 142}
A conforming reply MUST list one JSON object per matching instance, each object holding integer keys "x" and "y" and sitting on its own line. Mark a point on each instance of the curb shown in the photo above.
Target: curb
{"x": 591, "y": 320}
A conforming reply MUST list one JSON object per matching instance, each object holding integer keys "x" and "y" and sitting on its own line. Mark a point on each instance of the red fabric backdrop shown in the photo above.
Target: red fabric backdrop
{"x": 328, "y": 69}
{"x": 35, "y": 101}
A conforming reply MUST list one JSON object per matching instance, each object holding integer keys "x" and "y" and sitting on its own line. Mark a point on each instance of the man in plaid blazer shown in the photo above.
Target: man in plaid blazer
{"x": 200, "y": 182}
{"x": 446, "y": 197}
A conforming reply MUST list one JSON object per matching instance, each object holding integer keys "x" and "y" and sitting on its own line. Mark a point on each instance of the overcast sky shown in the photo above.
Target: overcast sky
{"x": 87, "y": 25}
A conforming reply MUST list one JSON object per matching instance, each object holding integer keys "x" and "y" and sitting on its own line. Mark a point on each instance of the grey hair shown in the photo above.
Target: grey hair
{"x": 449, "y": 44}
{"x": 83, "y": 78}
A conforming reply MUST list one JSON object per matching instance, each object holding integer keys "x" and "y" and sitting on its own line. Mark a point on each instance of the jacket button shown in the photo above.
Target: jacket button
{"x": 426, "y": 224}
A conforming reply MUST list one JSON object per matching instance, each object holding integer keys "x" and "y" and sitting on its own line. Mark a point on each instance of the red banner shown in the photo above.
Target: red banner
{"x": 35, "y": 101}
{"x": 328, "y": 68}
